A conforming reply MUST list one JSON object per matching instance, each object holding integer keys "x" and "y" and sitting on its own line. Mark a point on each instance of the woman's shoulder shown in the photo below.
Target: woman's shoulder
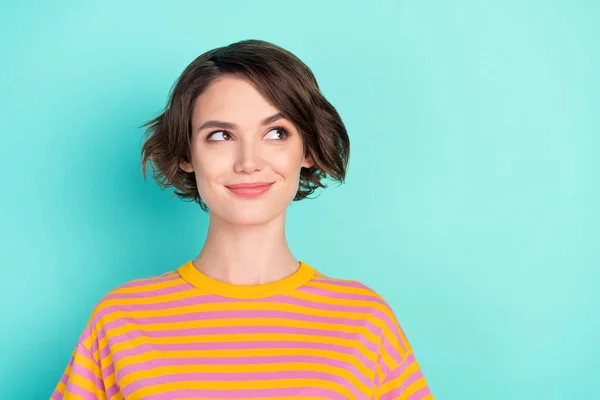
{"x": 136, "y": 293}
{"x": 346, "y": 286}
{"x": 144, "y": 287}
{"x": 128, "y": 298}
{"x": 146, "y": 284}
{"x": 352, "y": 294}
{"x": 358, "y": 301}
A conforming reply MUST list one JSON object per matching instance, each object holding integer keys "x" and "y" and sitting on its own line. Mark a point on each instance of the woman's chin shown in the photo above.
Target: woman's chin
{"x": 251, "y": 214}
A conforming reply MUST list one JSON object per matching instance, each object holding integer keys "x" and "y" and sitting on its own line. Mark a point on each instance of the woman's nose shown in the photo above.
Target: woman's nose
{"x": 248, "y": 158}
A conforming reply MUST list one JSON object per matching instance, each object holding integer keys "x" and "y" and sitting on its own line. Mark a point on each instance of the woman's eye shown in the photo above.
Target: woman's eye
{"x": 277, "y": 134}
{"x": 219, "y": 136}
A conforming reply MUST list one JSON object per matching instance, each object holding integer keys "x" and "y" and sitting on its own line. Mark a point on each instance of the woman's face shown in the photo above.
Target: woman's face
{"x": 239, "y": 140}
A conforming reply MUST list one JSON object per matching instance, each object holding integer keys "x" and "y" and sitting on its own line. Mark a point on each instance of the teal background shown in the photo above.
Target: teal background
{"x": 472, "y": 201}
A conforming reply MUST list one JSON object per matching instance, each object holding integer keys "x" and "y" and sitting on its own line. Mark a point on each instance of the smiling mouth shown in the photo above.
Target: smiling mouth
{"x": 250, "y": 190}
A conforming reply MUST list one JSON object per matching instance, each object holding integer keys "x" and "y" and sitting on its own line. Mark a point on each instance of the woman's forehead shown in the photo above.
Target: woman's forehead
{"x": 233, "y": 100}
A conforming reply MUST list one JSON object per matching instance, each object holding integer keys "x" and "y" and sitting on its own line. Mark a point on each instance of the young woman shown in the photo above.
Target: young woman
{"x": 245, "y": 132}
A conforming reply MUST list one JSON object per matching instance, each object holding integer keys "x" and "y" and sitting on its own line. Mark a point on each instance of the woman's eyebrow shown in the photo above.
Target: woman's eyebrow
{"x": 272, "y": 118}
{"x": 230, "y": 125}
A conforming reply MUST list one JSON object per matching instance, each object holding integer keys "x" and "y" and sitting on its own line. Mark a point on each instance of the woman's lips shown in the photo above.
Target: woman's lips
{"x": 250, "y": 190}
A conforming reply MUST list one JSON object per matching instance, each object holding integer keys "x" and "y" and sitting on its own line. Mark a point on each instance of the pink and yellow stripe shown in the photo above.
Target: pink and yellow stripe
{"x": 184, "y": 335}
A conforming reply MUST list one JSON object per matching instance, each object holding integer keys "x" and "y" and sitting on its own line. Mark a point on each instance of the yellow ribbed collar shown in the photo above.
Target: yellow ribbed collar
{"x": 188, "y": 272}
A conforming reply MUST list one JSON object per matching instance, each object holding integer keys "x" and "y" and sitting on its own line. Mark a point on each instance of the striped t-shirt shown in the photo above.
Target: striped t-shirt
{"x": 184, "y": 335}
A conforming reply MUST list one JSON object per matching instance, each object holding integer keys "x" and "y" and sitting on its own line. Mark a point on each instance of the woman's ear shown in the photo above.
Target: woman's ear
{"x": 186, "y": 166}
{"x": 307, "y": 161}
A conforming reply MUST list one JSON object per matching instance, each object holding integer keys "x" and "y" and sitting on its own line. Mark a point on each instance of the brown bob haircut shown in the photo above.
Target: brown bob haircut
{"x": 283, "y": 80}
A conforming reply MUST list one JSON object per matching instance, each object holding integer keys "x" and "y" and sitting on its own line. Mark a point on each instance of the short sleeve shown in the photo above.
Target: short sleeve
{"x": 82, "y": 378}
{"x": 399, "y": 376}
{"x": 406, "y": 381}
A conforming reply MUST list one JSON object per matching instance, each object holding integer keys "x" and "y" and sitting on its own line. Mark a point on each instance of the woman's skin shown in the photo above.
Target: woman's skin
{"x": 246, "y": 243}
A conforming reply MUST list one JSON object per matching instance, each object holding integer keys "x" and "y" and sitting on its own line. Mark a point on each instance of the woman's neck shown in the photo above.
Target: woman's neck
{"x": 246, "y": 255}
